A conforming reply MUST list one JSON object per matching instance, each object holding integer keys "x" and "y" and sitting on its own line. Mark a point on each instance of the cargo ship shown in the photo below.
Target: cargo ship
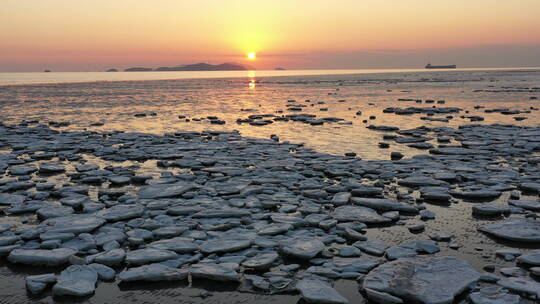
{"x": 429, "y": 66}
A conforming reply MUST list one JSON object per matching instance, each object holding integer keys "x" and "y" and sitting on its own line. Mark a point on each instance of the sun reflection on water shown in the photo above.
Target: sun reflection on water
{"x": 252, "y": 84}
{"x": 252, "y": 80}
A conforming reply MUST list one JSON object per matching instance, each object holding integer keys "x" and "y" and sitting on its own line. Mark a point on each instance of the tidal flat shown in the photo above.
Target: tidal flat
{"x": 381, "y": 188}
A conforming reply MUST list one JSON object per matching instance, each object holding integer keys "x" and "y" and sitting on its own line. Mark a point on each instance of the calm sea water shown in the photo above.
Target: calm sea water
{"x": 63, "y": 77}
{"x": 238, "y": 94}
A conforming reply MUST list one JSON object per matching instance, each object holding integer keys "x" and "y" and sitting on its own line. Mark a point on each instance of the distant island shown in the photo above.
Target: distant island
{"x": 280, "y": 69}
{"x": 429, "y": 66}
{"x": 138, "y": 70}
{"x": 194, "y": 67}
{"x": 112, "y": 70}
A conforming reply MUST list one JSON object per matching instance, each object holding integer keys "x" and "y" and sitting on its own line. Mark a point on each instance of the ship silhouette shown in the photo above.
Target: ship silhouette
{"x": 429, "y": 66}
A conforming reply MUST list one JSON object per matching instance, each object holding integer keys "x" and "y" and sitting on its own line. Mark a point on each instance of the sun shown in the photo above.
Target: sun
{"x": 251, "y": 55}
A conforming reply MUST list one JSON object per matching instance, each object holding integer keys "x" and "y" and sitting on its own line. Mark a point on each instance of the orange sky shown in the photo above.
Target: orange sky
{"x": 97, "y": 34}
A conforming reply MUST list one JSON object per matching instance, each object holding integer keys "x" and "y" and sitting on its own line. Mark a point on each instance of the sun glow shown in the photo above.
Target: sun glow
{"x": 251, "y": 55}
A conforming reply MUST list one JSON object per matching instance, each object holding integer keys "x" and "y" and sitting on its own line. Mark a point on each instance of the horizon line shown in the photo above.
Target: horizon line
{"x": 277, "y": 70}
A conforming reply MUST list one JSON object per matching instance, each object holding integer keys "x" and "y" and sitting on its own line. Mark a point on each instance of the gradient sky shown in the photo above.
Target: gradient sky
{"x": 92, "y": 35}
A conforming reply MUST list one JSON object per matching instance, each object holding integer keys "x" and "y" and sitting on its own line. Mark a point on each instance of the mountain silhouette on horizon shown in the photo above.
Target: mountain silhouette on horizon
{"x": 202, "y": 66}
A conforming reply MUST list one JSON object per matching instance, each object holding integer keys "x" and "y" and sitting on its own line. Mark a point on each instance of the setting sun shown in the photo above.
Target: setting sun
{"x": 251, "y": 55}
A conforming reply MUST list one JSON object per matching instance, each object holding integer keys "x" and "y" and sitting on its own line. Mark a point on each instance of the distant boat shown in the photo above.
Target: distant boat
{"x": 47, "y": 71}
{"x": 429, "y": 66}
